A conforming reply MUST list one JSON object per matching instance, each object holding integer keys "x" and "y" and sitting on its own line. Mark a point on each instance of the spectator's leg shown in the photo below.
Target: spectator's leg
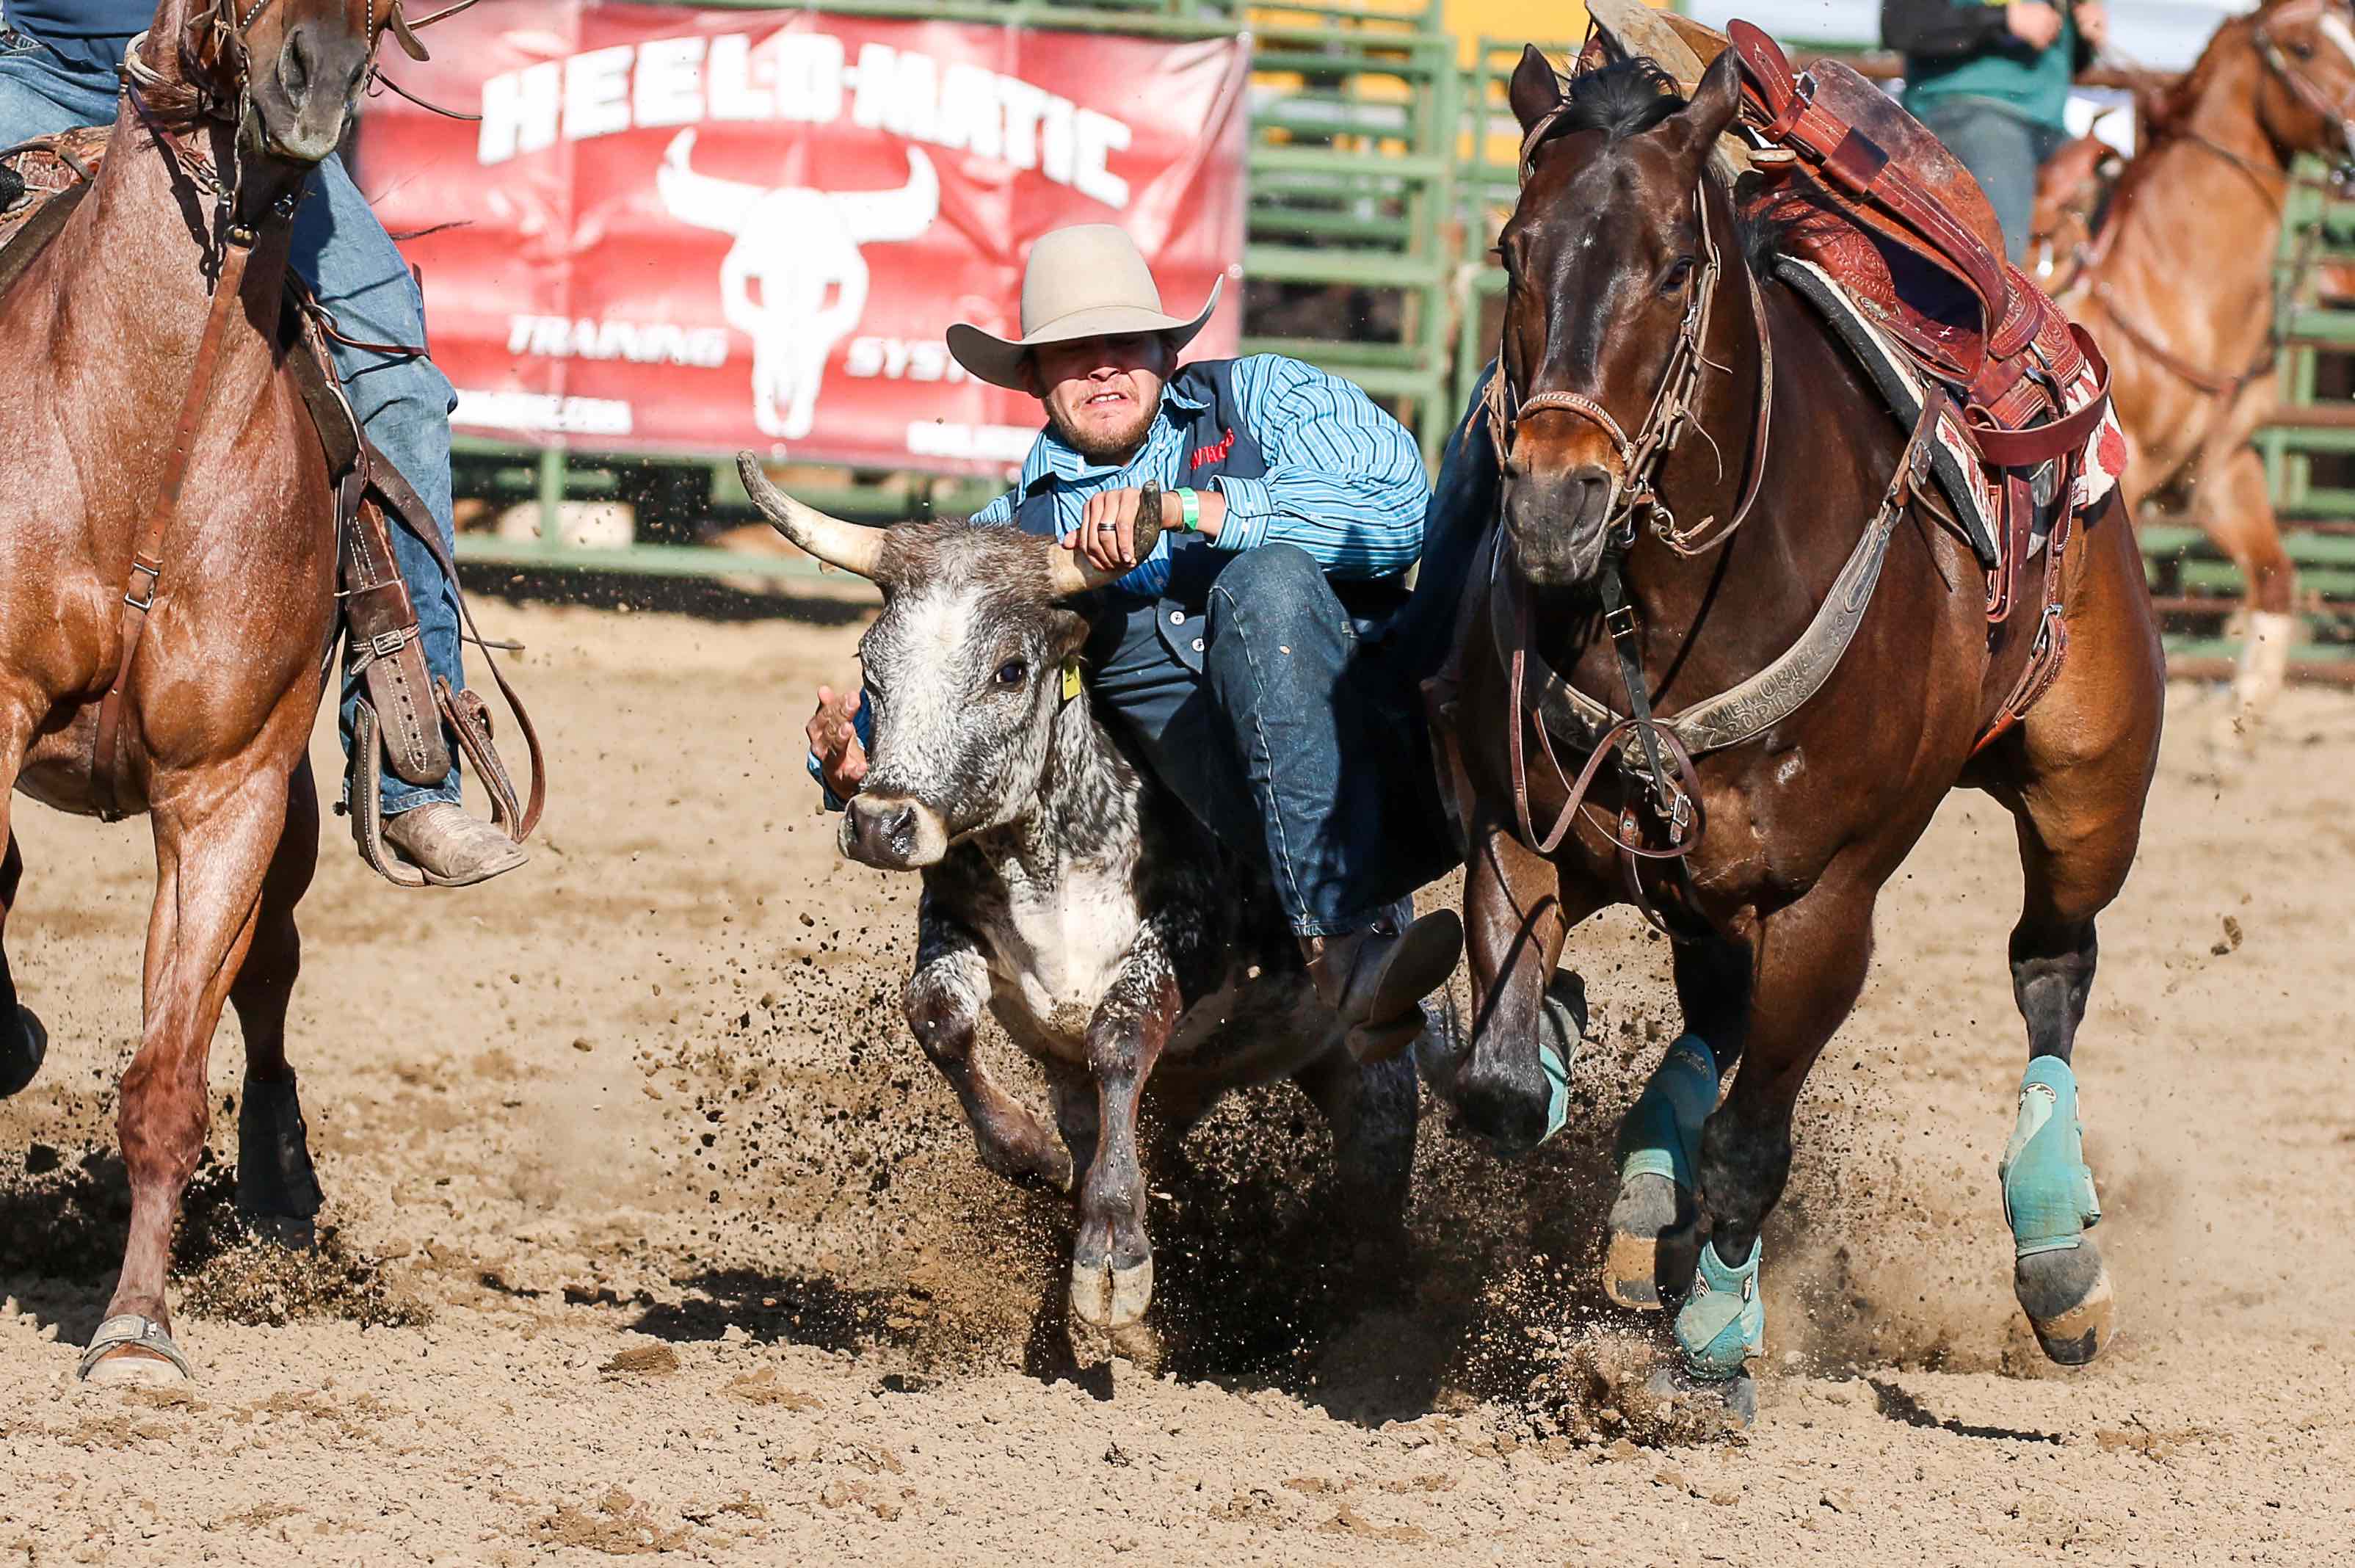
{"x": 2000, "y": 151}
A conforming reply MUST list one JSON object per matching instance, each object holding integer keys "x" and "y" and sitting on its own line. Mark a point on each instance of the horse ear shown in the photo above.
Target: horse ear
{"x": 1535, "y": 91}
{"x": 1710, "y": 113}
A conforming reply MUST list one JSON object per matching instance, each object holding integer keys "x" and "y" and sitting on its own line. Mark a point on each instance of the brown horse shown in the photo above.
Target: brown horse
{"x": 1626, "y": 246}
{"x": 108, "y": 330}
{"x": 2179, "y": 286}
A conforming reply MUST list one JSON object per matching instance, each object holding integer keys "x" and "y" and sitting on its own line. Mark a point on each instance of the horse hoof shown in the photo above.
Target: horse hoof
{"x": 21, "y": 1053}
{"x": 1651, "y": 1245}
{"x": 133, "y": 1352}
{"x": 1735, "y": 1398}
{"x": 2069, "y": 1302}
{"x": 1104, "y": 1296}
{"x": 290, "y": 1232}
{"x": 1723, "y": 1324}
{"x": 134, "y": 1369}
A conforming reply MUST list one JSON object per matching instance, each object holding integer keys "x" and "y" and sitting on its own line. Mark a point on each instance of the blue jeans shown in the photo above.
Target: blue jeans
{"x": 344, "y": 254}
{"x": 2003, "y": 151}
{"x": 1300, "y": 737}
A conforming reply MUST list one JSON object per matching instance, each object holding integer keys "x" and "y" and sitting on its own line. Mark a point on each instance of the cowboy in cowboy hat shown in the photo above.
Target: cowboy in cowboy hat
{"x": 1292, "y": 508}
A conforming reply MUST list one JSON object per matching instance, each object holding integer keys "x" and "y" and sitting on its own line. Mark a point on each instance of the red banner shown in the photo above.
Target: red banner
{"x": 692, "y": 230}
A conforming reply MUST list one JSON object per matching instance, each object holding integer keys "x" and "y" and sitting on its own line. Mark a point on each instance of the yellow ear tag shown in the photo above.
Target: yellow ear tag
{"x": 1070, "y": 678}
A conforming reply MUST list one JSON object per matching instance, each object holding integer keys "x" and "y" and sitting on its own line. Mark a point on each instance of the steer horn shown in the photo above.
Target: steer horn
{"x": 853, "y": 549}
{"x": 1070, "y": 572}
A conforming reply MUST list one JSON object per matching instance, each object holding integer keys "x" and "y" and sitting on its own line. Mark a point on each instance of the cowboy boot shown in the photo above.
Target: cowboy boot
{"x": 453, "y": 848}
{"x": 1377, "y": 977}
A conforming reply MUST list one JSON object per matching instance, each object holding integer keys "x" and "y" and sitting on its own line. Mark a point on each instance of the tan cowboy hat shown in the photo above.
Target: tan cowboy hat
{"x": 1087, "y": 281}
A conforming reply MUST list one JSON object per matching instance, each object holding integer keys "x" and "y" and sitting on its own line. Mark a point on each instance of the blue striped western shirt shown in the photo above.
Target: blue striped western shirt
{"x": 1344, "y": 482}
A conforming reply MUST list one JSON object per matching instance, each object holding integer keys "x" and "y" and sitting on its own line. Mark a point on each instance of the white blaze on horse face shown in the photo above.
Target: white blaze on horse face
{"x": 2334, "y": 27}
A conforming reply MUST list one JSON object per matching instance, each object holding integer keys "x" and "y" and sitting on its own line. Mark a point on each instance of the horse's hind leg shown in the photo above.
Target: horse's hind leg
{"x": 211, "y": 855}
{"x": 23, "y": 1041}
{"x": 277, "y": 1188}
{"x": 2080, "y": 768}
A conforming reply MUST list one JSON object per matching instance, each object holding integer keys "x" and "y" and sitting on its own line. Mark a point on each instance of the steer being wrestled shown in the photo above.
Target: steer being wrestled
{"x": 1108, "y": 932}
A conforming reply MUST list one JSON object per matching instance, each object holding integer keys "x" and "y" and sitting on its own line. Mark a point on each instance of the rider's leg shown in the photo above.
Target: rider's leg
{"x": 403, "y": 402}
{"x": 1347, "y": 830}
{"x": 43, "y": 91}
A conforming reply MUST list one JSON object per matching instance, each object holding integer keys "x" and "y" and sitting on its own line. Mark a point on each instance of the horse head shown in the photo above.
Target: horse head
{"x": 1614, "y": 258}
{"x": 2306, "y": 95}
{"x": 286, "y": 74}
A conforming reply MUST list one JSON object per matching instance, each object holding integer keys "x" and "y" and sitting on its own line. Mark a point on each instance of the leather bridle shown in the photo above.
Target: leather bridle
{"x": 2301, "y": 86}
{"x": 1641, "y": 455}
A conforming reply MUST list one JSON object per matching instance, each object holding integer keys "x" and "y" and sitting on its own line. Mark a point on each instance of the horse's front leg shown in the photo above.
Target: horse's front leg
{"x": 942, "y": 1002}
{"x": 1513, "y": 1085}
{"x": 214, "y": 841}
{"x": 1652, "y": 1225}
{"x": 1111, "y": 1258}
{"x": 1807, "y": 966}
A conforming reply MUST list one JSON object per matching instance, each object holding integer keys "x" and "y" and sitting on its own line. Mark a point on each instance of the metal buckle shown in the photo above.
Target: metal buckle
{"x": 154, "y": 575}
{"x": 1621, "y": 621}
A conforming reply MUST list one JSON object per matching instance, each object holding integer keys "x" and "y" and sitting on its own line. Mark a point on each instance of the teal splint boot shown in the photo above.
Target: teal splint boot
{"x": 1723, "y": 1321}
{"x": 1559, "y": 1034}
{"x": 2048, "y": 1190}
{"x": 1661, "y": 1136}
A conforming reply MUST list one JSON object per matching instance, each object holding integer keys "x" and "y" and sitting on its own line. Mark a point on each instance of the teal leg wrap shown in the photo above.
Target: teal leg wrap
{"x": 1558, "y": 1043}
{"x": 1661, "y": 1136}
{"x": 2048, "y": 1191}
{"x": 1723, "y": 1321}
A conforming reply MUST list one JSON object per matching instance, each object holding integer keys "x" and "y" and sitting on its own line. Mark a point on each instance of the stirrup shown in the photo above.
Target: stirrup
{"x": 364, "y": 799}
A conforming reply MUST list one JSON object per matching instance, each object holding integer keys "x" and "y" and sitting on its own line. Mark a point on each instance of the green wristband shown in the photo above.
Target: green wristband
{"x": 1190, "y": 511}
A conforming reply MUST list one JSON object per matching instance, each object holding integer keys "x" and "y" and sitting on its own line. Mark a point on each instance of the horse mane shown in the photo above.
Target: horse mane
{"x": 2166, "y": 113}
{"x": 1625, "y": 98}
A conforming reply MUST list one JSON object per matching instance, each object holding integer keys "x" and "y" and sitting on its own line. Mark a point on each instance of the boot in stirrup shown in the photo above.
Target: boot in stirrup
{"x": 453, "y": 848}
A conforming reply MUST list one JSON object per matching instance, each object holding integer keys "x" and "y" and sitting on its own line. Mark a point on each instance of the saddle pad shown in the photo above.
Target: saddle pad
{"x": 1974, "y": 489}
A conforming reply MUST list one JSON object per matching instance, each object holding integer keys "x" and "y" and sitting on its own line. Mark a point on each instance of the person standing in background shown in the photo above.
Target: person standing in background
{"x": 1992, "y": 79}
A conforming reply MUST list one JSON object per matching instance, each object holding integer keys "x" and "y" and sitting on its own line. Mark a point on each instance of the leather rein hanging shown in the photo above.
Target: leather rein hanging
{"x": 1638, "y": 504}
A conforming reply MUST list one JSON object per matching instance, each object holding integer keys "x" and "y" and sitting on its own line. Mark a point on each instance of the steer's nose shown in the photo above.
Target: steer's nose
{"x": 890, "y": 827}
{"x": 891, "y": 831}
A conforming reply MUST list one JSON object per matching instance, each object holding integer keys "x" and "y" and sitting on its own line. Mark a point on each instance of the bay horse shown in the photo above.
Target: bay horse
{"x": 180, "y": 546}
{"x": 2179, "y": 281}
{"x": 1625, "y": 260}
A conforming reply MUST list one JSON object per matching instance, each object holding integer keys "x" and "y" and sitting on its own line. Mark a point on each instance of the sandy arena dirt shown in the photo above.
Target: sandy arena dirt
{"x": 652, "y": 1231}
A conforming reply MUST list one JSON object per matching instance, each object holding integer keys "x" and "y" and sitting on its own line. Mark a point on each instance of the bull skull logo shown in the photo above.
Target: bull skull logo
{"x": 795, "y": 281}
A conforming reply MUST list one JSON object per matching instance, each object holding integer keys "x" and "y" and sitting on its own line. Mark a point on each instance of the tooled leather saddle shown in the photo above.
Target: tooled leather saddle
{"x": 42, "y": 184}
{"x": 1861, "y": 190}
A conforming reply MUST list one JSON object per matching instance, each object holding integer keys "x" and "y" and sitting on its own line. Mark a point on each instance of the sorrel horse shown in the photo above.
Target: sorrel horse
{"x": 2178, "y": 282}
{"x": 228, "y": 601}
{"x": 1630, "y": 275}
